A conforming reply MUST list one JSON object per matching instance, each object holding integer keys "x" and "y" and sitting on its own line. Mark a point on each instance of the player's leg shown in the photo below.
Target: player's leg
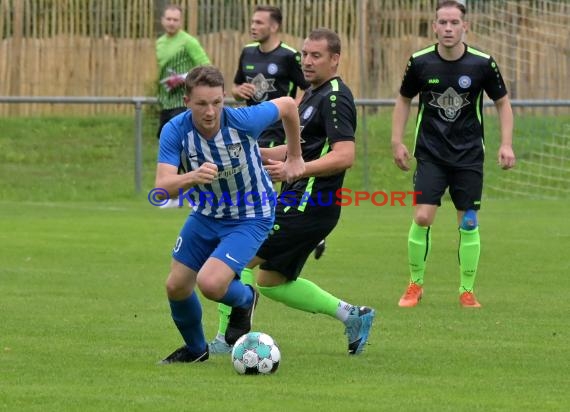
{"x": 193, "y": 246}
{"x": 237, "y": 248}
{"x": 465, "y": 190}
{"x": 430, "y": 182}
{"x": 219, "y": 345}
{"x": 285, "y": 253}
{"x": 186, "y": 312}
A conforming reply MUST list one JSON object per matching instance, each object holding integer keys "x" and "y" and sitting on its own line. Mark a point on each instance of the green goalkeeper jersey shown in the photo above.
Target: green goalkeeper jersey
{"x": 176, "y": 54}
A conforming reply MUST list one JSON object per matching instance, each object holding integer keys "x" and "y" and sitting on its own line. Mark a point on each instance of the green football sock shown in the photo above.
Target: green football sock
{"x": 419, "y": 244}
{"x": 304, "y": 295}
{"x": 224, "y": 311}
{"x": 469, "y": 250}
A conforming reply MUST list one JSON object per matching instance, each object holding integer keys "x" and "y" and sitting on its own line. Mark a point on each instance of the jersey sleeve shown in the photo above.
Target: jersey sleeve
{"x": 410, "y": 84}
{"x": 494, "y": 84}
{"x": 239, "y": 77}
{"x": 170, "y": 145}
{"x": 255, "y": 119}
{"x": 339, "y": 116}
{"x": 296, "y": 72}
{"x": 196, "y": 52}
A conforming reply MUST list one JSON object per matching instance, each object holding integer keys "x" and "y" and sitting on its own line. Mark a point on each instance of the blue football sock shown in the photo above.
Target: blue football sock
{"x": 238, "y": 295}
{"x": 187, "y": 316}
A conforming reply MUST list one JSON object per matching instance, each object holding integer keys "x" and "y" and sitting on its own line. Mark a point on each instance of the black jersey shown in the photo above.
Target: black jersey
{"x": 449, "y": 126}
{"x": 275, "y": 74}
{"x": 328, "y": 115}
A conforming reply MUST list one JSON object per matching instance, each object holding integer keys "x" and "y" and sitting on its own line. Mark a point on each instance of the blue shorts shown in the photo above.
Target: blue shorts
{"x": 233, "y": 241}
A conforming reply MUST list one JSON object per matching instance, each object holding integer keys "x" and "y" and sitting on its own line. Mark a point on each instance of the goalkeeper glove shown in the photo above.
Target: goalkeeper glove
{"x": 173, "y": 81}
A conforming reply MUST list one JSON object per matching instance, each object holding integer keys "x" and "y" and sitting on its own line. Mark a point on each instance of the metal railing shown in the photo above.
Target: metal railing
{"x": 139, "y": 101}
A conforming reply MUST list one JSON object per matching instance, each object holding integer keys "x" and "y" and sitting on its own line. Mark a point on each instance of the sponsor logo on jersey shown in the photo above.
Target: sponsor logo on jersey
{"x": 227, "y": 173}
{"x": 450, "y": 103}
{"x": 262, "y": 87}
{"x": 433, "y": 81}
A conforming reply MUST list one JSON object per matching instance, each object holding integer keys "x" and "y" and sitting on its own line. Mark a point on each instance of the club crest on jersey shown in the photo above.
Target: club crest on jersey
{"x": 272, "y": 68}
{"x": 308, "y": 112}
{"x": 234, "y": 150}
{"x": 464, "y": 82}
{"x": 262, "y": 87}
{"x": 450, "y": 103}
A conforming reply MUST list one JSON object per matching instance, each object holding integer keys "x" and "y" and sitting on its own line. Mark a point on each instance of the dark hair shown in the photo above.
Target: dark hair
{"x": 203, "y": 76}
{"x": 172, "y": 7}
{"x": 274, "y": 13}
{"x": 332, "y": 38}
{"x": 452, "y": 3}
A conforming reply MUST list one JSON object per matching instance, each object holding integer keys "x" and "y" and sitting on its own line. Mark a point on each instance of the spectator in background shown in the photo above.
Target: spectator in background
{"x": 176, "y": 53}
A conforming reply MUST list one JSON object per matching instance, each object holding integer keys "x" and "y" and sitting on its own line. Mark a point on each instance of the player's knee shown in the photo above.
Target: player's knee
{"x": 176, "y": 290}
{"x": 423, "y": 219}
{"x": 469, "y": 220}
{"x": 211, "y": 290}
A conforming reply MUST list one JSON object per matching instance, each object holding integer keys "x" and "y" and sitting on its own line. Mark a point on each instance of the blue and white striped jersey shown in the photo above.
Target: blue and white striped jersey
{"x": 243, "y": 188}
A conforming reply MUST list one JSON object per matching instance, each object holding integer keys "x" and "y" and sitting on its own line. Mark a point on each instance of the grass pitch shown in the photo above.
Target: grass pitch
{"x": 84, "y": 317}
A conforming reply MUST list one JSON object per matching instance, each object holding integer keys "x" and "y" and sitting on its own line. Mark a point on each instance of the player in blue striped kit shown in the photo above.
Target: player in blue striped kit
{"x": 219, "y": 238}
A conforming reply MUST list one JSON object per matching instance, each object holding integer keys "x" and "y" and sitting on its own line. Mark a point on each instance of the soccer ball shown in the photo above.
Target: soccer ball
{"x": 255, "y": 353}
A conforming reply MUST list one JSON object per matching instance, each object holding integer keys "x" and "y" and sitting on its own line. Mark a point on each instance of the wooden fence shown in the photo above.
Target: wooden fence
{"x": 106, "y": 47}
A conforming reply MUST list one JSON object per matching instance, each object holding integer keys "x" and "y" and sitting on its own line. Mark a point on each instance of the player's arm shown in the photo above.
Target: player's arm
{"x": 243, "y": 91}
{"x": 197, "y": 52}
{"x": 399, "y": 120}
{"x": 294, "y": 164}
{"x": 167, "y": 177}
{"x": 297, "y": 77}
{"x": 506, "y": 155}
{"x": 340, "y": 158}
{"x": 277, "y": 153}
{"x": 299, "y": 97}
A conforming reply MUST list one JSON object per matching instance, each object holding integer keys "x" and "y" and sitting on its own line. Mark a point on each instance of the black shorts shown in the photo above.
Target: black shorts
{"x": 465, "y": 184}
{"x": 294, "y": 236}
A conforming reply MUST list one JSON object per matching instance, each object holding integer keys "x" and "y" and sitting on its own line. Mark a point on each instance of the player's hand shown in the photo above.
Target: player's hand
{"x": 206, "y": 173}
{"x": 275, "y": 169}
{"x": 506, "y": 157}
{"x": 401, "y": 156}
{"x": 244, "y": 91}
{"x": 294, "y": 168}
{"x": 172, "y": 82}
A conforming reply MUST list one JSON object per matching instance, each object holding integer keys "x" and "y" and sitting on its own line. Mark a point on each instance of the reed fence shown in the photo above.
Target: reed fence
{"x": 106, "y": 47}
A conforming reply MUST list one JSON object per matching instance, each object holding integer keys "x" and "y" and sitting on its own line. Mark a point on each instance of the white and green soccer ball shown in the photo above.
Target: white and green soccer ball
{"x": 255, "y": 353}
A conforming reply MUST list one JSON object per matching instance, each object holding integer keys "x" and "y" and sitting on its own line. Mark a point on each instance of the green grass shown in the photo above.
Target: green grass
{"x": 84, "y": 317}
{"x": 83, "y": 314}
{"x": 56, "y": 159}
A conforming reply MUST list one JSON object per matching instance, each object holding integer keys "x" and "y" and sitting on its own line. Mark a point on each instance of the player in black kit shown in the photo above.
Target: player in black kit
{"x": 268, "y": 68}
{"x": 308, "y": 209}
{"x": 450, "y": 78}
